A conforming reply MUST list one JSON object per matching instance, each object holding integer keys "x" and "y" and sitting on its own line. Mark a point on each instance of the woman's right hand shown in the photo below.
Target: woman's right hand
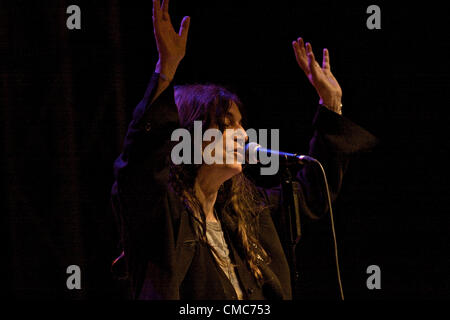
{"x": 171, "y": 45}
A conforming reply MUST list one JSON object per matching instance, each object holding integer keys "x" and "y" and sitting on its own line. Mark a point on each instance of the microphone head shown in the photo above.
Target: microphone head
{"x": 251, "y": 152}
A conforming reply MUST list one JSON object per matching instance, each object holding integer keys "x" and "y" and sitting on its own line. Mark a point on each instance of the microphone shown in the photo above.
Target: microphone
{"x": 252, "y": 150}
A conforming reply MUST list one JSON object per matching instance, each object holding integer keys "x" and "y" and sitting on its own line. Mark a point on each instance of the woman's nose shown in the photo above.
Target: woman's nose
{"x": 242, "y": 134}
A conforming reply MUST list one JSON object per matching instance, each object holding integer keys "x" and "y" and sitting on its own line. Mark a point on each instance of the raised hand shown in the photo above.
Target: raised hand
{"x": 321, "y": 78}
{"x": 171, "y": 45}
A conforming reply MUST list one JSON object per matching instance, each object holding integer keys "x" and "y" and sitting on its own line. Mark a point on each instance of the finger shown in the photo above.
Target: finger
{"x": 296, "y": 51}
{"x": 326, "y": 60}
{"x": 301, "y": 48}
{"x": 184, "y": 28}
{"x": 302, "y": 52}
{"x": 165, "y": 6}
{"x": 156, "y": 6}
{"x": 312, "y": 63}
{"x": 300, "y": 55}
{"x": 156, "y": 10}
{"x": 301, "y": 45}
{"x": 165, "y": 10}
{"x": 300, "y": 60}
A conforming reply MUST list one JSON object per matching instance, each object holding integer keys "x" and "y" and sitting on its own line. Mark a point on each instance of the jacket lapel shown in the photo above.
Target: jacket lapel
{"x": 249, "y": 285}
{"x": 186, "y": 246}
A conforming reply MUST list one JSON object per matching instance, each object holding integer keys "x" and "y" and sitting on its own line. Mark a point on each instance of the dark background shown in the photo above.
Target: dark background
{"x": 66, "y": 97}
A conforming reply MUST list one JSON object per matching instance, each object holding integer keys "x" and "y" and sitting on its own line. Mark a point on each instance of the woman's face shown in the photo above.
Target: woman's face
{"x": 234, "y": 138}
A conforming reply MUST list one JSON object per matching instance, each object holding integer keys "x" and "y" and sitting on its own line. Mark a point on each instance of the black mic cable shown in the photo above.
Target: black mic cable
{"x": 252, "y": 148}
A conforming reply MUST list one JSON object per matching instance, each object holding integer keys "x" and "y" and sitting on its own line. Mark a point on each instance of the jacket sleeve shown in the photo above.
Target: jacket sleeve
{"x": 139, "y": 192}
{"x": 146, "y": 146}
{"x": 335, "y": 140}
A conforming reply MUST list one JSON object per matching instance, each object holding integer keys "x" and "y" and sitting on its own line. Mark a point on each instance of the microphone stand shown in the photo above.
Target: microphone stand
{"x": 290, "y": 221}
{"x": 291, "y": 218}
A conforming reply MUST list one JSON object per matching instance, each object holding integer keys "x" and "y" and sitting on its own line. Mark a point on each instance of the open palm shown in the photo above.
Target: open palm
{"x": 321, "y": 78}
{"x": 171, "y": 45}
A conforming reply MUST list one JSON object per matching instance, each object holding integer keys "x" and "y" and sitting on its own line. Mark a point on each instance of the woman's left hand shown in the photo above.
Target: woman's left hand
{"x": 321, "y": 78}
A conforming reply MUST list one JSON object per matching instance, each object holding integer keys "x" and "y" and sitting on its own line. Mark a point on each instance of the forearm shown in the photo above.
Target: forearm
{"x": 156, "y": 115}
{"x": 335, "y": 140}
{"x": 167, "y": 73}
{"x": 148, "y": 137}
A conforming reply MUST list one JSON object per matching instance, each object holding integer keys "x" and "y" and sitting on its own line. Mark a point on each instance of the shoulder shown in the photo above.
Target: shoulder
{"x": 271, "y": 197}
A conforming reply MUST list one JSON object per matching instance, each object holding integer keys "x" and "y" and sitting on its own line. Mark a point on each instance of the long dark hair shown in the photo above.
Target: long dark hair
{"x": 238, "y": 197}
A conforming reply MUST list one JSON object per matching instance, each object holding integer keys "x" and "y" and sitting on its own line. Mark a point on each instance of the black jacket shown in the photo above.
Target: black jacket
{"x": 164, "y": 258}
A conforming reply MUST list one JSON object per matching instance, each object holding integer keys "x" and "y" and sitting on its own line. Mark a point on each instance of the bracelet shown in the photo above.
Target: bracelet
{"x": 164, "y": 77}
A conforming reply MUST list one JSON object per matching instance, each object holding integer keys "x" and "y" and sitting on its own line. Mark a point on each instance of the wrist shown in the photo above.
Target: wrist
{"x": 333, "y": 105}
{"x": 166, "y": 70}
{"x": 331, "y": 101}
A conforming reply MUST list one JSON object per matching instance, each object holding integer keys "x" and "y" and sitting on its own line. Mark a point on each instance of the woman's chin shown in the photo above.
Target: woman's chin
{"x": 234, "y": 168}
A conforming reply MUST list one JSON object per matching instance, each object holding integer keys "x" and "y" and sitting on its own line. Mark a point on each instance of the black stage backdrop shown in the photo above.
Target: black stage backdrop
{"x": 67, "y": 97}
